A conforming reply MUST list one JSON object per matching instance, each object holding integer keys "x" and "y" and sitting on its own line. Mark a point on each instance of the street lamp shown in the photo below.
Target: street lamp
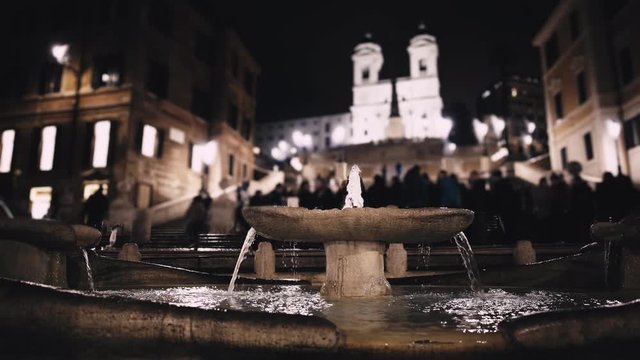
{"x": 60, "y": 52}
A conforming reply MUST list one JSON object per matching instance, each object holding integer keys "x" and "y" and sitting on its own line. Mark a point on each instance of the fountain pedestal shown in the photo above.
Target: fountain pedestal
{"x": 355, "y": 269}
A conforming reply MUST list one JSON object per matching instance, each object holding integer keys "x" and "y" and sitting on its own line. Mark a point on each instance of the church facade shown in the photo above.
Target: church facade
{"x": 383, "y": 109}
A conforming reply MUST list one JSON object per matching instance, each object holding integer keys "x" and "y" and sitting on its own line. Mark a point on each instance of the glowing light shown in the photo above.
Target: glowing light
{"x": 197, "y": 157}
{"x": 531, "y": 127}
{"x": 613, "y": 128}
{"x": 283, "y": 146}
{"x": 500, "y": 154}
{"x": 480, "y": 129}
{"x": 296, "y": 163}
{"x": 442, "y": 127}
{"x": 40, "y": 200}
{"x": 278, "y": 154}
{"x": 338, "y": 135}
{"x": 451, "y": 147}
{"x": 527, "y": 139}
{"x": 293, "y": 150}
{"x": 210, "y": 152}
{"x": 298, "y": 138}
{"x": 149, "y": 134}
{"x": 91, "y": 188}
{"x": 177, "y": 135}
{"x": 514, "y": 92}
{"x": 60, "y": 52}
{"x": 48, "y": 147}
{"x": 486, "y": 94}
{"x": 497, "y": 124}
{"x": 256, "y": 150}
{"x": 6, "y": 152}
{"x": 101, "y": 136}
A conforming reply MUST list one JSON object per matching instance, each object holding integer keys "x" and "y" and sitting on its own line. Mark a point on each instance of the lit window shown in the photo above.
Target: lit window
{"x": 101, "y": 136}
{"x": 149, "y": 137}
{"x": 6, "y": 151}
{"x": 91, "y": 187}
{"x": 39, "y": 201}
{"x": 197, "y": 157}
{"x": 48, "y": 147}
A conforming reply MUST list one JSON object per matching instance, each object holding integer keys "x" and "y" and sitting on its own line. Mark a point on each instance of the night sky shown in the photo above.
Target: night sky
{"x": 305, "y": 48}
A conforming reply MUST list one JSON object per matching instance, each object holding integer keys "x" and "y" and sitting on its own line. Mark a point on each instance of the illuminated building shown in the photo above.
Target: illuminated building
{"x": 590, "y": 54}
{"x": 154, "y": 100}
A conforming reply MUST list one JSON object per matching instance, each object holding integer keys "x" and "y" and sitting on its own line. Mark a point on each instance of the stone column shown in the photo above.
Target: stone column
{"x": 524, "y": 253}
{"x": 396, "y": 260}
{"x": 264, "y": 261}
{"x": 354, "y": 269}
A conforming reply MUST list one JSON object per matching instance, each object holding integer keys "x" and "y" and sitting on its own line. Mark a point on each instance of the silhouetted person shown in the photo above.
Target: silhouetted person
{"x": 278, "y": 196}
{"x": 395, "y": 192}
{"x": 325, "y": 198}
{"x": 628, "y": 195}
{"x": 608, "y": 200}
{"x": 541, "y": 197}
{"x": 559, "y": 208}
{"x": 258, "y": 199}
{"x": 95, "y": 208}
{"x": 580, "y": 215}
{"x": 505, "y": 203}
{"x": 242, "y": 200}
{"x": 197, "y": 219}
{"x": 450, "y": 195}
{"x": 305, "y": 196}
{"x": 415, "y": 189}
{"x": 376, "y": 195}
{"x": 477, "y": 199}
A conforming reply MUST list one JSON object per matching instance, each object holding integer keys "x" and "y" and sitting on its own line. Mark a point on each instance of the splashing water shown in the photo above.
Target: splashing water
{"x": 607, "y": 256}
{"x": 251, "y": 236}
{"x": 354, "y": 191}
{"x": 89, "y": 273}
{"x": 294, "y": 257}
{"x": 469, "y": 261}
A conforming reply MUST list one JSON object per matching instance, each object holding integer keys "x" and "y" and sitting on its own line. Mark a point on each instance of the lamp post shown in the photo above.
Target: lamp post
{"x": 61, "y": 53}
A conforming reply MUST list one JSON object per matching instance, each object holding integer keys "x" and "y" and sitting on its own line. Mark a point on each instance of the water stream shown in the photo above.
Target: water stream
{"x": 89, "y": 273}
{"x": 607, "y": 256}
{"x": 251, "y": 236}
{"x": 469, "y": 261}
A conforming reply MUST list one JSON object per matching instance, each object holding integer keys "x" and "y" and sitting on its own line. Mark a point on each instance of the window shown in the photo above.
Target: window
{"x": 233, "y": 116}
{"x": 231, "y": 165}
{"x": 157, "y": 79}
{"x": 551, "y": 50}
{"x": 108, "y": 70}
{"x": 365, "y": 74}
{"x": 327, "y": 127}
{"x": 557, "y": 101}
{"x": 588, "y": 146}
{"x": 327, "y": 141}
{"x": 581, "y": 83}
{"x": 50, "y": 78}
{"x": 626, "y": 66}
{"x": 574, "y": 24}
{"x": 201, "y": 103}
{"x": 204, "y": 48}
{"x": 632, "y": 132}
{"x": 160, "y": 17}
{"x": 47, "y": 147}
{"x": 197, "y": 157}
{"x": 563, "y": 157}
{"x": 177, "y": 135}
{"x": 151, "y": 140}
{"x": 422, "y": 66}
{"x": 6, "y": 150}
{"x": 244, "y": 171}
{"x": 39, "y": 201}
{"x": 101, "y": 138}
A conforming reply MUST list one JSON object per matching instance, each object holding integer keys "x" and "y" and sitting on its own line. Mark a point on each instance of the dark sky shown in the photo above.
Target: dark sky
{"x": 304, "y": 48}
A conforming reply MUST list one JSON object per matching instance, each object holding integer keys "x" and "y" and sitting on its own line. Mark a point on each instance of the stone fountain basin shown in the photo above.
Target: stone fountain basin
{"x": 388, "y": 225}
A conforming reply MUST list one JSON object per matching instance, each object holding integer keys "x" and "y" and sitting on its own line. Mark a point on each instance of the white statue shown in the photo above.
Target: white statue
{"x": 354, "y": 191}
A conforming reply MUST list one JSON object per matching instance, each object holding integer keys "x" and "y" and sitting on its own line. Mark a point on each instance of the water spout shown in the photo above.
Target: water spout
{"x": 89, "y": 273}
{"x": 469, "y": 260}
{"x": 354, "y": 191}
{"x": 251, "y": 236}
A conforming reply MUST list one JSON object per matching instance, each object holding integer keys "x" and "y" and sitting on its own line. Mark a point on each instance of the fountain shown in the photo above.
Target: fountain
{"x": 144, "y": 310}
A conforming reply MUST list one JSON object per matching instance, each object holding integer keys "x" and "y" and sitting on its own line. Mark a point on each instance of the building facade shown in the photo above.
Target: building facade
{"x": 151, "y": 99}
{"x": 590, "y": 55}
{"x": 519, "y": 101}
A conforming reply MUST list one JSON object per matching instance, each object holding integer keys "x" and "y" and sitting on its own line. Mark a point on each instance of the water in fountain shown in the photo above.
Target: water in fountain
{"x": 251, "y": 236}
{"x": 89, "y": 273}
{"x": 424, "y": 252}
{"x": 469, "y": 261}
{"x": 607, "y": 256}
{"x": 294, "y": 257}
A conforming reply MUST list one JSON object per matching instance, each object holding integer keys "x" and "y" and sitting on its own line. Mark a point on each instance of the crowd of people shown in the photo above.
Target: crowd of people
{"x": 506, "y": 207}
